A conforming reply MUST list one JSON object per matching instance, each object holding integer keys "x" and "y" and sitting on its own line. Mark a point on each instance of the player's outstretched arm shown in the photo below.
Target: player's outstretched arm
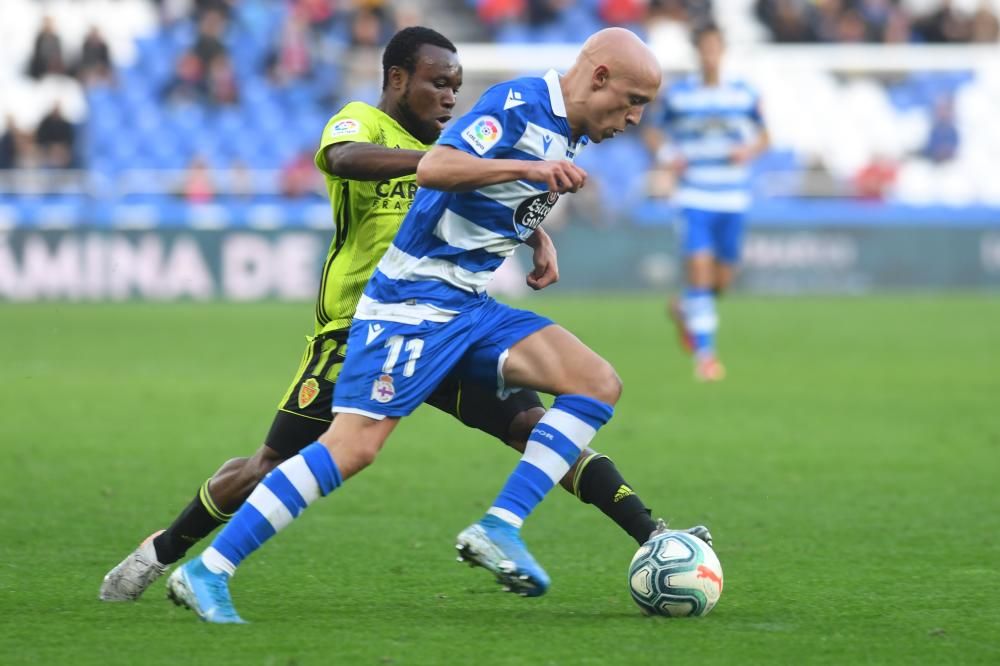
{"x": 369, "y": 161}
{"x": 450, "y": 170}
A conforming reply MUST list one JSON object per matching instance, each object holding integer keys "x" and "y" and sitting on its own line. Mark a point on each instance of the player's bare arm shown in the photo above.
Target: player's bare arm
{"x": 546, "y": 266}
{"x": 448, "y": 170}
{"x": 750, "y": 151}
{"x": 369, "y": 161}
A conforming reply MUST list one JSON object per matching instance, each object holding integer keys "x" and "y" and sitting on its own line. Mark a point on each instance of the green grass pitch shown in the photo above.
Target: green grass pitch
{"x": 849, "y": 468}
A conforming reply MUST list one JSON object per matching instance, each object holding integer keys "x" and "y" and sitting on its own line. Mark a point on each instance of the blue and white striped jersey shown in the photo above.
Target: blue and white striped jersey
{"x": 706, "y": 123}
{"x": 450, "y": 243}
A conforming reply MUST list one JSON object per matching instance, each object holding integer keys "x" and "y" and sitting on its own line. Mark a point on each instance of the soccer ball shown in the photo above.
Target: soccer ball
{"x": 675, "y": 574}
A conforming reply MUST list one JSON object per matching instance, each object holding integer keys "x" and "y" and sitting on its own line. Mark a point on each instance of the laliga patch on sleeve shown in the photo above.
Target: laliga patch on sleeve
{"x": 483, "y": 133}
{"x": 344, "y": 127}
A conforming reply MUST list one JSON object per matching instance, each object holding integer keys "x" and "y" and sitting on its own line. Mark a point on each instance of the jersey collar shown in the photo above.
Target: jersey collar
{"x": 555, "y": 93}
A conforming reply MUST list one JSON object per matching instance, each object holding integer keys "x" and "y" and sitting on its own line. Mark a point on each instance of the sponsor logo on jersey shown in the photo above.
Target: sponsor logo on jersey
{"x": 532, "y": 212}
{"x": 483, "y": 134}
{"x": 406, "y": 189}
{"x": 308, "y": 392}
{"x": 394, "y": 195}
{"x": 382, "y": 389}
{"x": 344, "y": 127}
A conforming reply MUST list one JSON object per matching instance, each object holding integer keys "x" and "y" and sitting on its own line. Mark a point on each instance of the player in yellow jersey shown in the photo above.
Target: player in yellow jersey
{"x": 369, "y": 158}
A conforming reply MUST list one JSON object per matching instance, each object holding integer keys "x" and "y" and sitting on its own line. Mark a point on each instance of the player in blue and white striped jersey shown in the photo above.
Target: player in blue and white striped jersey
{"x": 485, "y": 188}
{"x": 716, "y": 130}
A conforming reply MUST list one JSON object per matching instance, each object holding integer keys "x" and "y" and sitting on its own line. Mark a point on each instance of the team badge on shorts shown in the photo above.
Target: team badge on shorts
{"x": 382, "y": 389}
{"x": 308, "y": 392}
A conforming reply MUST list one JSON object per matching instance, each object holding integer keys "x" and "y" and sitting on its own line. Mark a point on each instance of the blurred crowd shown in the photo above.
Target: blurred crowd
{"x": 305, "y": 50}
{"x": 875, "y": 21}
{"x": 312, "y": 37}
{"x": 52, "y": 144}
{"x": 255, "y": 65}
{"x": 786, "y": 21}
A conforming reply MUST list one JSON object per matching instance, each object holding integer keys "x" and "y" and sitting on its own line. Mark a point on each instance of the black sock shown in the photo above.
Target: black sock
{"x": 599, "y": 482}
{"x": 195, "y": 522}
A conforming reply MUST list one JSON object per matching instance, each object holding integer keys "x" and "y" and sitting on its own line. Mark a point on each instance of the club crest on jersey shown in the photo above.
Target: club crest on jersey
{"x": 382, "y": 389}
{"x": 344, "y": 127}
{"x": 532, "y": 212}
{"x": 483, "y": 133}
{"x": 308, "y": 392}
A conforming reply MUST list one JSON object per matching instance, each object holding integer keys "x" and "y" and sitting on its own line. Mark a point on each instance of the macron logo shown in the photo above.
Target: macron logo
{"x": 513, "y": 99}
{"x": 546, "y": 142}
{"x": 374, "y": 330}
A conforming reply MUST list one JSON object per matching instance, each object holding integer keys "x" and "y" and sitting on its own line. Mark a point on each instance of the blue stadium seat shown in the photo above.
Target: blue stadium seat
{"x": 103, "y": 120}
{"x": 187, "y": 118}
{"x": 180, "y": 35}
{"x": 247, "y": 56}
{"x": 776, "y": 160}
{"x": 133, "y": 83}
{"x": 296, "y": 96}
{"x": 99, "y": 96}
{"x": 247, "y": 149}
{"x": 260, "y": 18}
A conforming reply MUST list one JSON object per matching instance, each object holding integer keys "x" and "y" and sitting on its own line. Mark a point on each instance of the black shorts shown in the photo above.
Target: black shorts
{"x": 305, "y": 411}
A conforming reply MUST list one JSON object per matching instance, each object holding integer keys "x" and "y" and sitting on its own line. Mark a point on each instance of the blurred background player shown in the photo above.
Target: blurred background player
{"x": 715, "y": 130}
{"x": 369, "y": 158}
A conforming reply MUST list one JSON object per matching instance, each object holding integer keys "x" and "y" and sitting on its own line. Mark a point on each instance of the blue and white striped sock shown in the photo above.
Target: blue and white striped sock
{"x": 552, "y": 448}
{"x": 700, "y": 318}
{"x": 274, "y": 503}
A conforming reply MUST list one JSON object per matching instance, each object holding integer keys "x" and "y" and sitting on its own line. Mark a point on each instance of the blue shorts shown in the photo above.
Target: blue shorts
{"x": 718, "y": 233}
{"x": 391, "y": 367}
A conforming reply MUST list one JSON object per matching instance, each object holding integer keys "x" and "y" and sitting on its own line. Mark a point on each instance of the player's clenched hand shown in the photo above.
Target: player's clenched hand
{"x": 546, "y": 267}
{"x": 742, "y": 154}
{"x": 560, "y": 176}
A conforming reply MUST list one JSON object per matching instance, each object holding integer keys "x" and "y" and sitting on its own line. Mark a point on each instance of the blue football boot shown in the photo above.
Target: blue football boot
{"x": 496, "y": 546}
{"x": 204, "y": 592}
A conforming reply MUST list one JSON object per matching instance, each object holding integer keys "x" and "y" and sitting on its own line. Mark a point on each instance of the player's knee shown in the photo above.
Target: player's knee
{"x": 255, "y": 468}
{"x": 522, "y": 425}
{"x": 352, "y": 454}
{"x": 365, "y": 452}
{"x": 263, "y": 464}
{"x": 604, "y": 384}
{"x": 611, "y": 387}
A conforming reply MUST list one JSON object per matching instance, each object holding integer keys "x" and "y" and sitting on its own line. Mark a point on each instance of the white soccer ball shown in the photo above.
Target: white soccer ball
{"x": 675, "y": 574}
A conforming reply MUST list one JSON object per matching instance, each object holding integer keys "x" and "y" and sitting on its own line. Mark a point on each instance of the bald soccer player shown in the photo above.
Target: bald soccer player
{"x": 368, "y": 156}
{"x": 484, "y": 189}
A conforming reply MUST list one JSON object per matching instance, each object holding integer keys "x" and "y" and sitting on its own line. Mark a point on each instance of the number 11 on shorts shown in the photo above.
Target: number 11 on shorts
{"x": 395, "y": 344}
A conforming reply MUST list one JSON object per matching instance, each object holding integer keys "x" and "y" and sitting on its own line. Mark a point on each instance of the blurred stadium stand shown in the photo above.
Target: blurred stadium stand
{"x": 209, "y": 111}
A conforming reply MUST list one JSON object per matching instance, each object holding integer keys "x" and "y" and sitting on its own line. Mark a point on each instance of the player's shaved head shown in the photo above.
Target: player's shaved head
{"x": 623, "y": 53}
{"x": 615, "y": 75}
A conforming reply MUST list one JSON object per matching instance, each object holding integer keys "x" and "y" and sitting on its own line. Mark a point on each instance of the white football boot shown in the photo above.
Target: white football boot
{"x": 128, "y": 580}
